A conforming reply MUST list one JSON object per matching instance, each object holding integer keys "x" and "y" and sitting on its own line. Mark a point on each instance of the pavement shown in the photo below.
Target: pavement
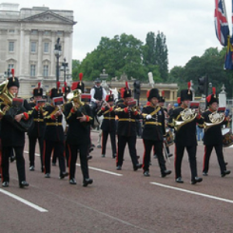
{"x": 119, "y": 201}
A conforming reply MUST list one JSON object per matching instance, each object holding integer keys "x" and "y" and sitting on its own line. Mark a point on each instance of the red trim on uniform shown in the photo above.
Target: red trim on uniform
{"x": 198, "y": 116}
{"x": 204, "y": 158}
{"x": 88, "y": 118}
{"x": 144, "y": 155}
{"x": 136, "y": 113}
{"x": 53, "y": 117}
{"x": 72, "y": 110}
{"x": 103, "y": 108}
{"x": 26, "y": 116}
{"x": 117, "y": 152}
{"x": 126, "y": 110}
{"x": 37, "y": 107}
{"x": 69, "y": 161}
{"x": 111, "y": 109}
{"x": 102, "y": 142}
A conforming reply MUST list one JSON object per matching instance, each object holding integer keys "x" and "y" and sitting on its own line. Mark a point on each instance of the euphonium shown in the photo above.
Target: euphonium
{"x": 187, "y": 115}
{"x": 6, "y": 97}
{"x": 216, "y": 118}
{"x": 75, "y": 98}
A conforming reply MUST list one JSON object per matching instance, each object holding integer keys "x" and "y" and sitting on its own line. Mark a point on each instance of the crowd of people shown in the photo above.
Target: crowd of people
{"x": 63, "y": 126}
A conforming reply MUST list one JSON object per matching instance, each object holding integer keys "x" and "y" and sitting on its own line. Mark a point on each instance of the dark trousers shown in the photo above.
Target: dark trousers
{"x": 58, "y": 148}
{"x": 113, "y": 141}
{"x": 219, "y": 153}
{"x": 158, "y": 145}
{"x": 122, "y": 140}
{"x": 20, "y": 163}
{"x": 73, "y": 154}
{"x": 179, "y": 153}
{"x": 32, "y": 147}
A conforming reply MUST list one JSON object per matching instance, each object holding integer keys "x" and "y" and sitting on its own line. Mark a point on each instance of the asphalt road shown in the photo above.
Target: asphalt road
{"x": 119, "y": 201}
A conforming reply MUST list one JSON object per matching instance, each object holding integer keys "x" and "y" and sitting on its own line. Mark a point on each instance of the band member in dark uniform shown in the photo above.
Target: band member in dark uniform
{"x": 126, "y": 130}
{"x": 184, "y": 120}
{"x": 36, "y": 132}
{"x": 108, "y": 125}
{"x": 153, "y": 132}
{"x": 54, "y": 134}
{"x": 213, "y": 134}
{"x": 13, "y": 138}
{"x": 79, "y": 117}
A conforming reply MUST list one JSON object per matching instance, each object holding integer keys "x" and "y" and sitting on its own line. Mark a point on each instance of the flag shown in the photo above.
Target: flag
{"x": 221, "y": 24}
{"x": 228, "y": 57}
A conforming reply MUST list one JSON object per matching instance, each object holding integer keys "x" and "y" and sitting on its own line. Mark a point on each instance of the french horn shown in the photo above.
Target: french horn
{"x": 216, "y": 118}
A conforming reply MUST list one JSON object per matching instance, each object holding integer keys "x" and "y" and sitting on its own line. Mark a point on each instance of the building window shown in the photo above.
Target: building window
{"x": 46, "y": 47}
{"x": 12, "y": 31}
{"x": 34, "y": 32}
{"x": 45, "y": 71}
{"x": 11, "y": 46}
{"x": 33, "y": 47}
{"x": 47, "y": 33}
{"x": 33, "y": 71}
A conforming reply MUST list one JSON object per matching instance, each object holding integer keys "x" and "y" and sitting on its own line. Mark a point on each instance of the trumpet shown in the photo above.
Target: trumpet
{"x": 187, "y": 115}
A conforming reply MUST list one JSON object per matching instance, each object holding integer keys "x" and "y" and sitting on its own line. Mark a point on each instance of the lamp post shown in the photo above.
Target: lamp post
{"x": 65, "y": 68}
{"x": 57, "y": 53}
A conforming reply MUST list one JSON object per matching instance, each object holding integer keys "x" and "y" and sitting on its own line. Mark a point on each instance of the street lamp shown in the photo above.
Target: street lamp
{"x": 57, "y": 53}
{"x": 65, "y": 68}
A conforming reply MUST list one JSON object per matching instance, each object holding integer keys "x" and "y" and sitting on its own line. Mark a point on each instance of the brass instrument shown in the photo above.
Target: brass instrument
{"x": 216, "y": 118}
{"x": 6, "y": 98}
{"x": 187, "y": 115}
{"x": 74, "y": 97}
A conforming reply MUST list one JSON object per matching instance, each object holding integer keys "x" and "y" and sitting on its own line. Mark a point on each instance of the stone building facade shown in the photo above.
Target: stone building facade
{"x": 27, "y": 40}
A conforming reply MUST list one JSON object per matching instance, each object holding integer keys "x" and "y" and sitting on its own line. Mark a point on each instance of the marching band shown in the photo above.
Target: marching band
{"x": 63, "y": 127}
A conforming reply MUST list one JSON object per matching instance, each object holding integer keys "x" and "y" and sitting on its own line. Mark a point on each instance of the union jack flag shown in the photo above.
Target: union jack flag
{"x": 221, "y": 24}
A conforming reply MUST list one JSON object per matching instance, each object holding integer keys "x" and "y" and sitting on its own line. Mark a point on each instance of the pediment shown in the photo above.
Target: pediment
{"x": 48, "y": 17}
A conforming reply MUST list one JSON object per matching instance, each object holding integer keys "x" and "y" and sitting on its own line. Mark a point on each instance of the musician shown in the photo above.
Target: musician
{"x": 79, "y": 117}
{"x": 36, "y": 132}
{"x": 213, "y": 135}
{"x": 185, "y": 135}
{"x": 108, "y": 125}
{"x": 13, "y": 138}
{"x": 153, "y": 132}
{"x": 54, "y": 134}
{"x": 161, "y": 104}
{"x": 126, "y": 130}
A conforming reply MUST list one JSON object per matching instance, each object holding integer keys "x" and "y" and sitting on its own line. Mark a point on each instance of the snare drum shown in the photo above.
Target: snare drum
{"x": 169, "y": 137}
{"x": 227, "y": 137}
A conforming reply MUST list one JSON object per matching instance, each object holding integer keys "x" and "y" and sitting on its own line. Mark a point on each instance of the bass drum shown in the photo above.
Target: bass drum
{"x": 169, "y": 137}
{"x": 227, "y": 137}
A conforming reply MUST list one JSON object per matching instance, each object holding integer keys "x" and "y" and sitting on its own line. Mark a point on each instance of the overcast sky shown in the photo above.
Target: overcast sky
{"x": 187, "y": 24}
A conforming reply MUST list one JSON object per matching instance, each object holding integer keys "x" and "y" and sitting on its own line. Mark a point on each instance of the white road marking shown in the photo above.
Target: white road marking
{"x": 194, "y": 193}
{"x": 101, "y": 170}
{"x": 93, "y": 168}
{"x": 24, "y": 201}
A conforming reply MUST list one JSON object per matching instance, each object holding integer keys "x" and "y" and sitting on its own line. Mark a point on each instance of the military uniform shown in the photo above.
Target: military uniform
{"x": 108, "y": 126}
{"x": 153, "y": 133}
{"x": 213, "y": 139}
{"x": 13, "y": 138}
{"x": 53, "y": 137}
{"x": 78, "y": 138}
{"x": 126, "y": 131}
{"x": 185, "y": 137}
{"x": 36, "y": 132}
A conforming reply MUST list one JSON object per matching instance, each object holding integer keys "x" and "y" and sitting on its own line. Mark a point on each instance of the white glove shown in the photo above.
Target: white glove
{"x": 148, "y": 117}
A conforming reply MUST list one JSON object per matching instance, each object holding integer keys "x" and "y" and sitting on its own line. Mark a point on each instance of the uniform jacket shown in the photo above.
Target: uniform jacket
{"x": 127, "y": 121}
{"x": 53, "y": 130}
{"x": 154, "y": 128}
{"x": 11, "y": 136}
{"x": 186, "y": 135}
{"x": 78, "y": 132}
{"x": 38, "y": 128}
{"x": 108, "y": 123}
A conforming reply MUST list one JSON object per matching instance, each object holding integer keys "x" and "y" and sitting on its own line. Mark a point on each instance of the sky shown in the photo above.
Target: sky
{"x": 187, "y": 24}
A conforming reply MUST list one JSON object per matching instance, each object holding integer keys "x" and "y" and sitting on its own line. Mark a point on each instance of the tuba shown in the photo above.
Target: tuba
{"x": 216, "y": 118}
{"x": 187, "y": 115}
